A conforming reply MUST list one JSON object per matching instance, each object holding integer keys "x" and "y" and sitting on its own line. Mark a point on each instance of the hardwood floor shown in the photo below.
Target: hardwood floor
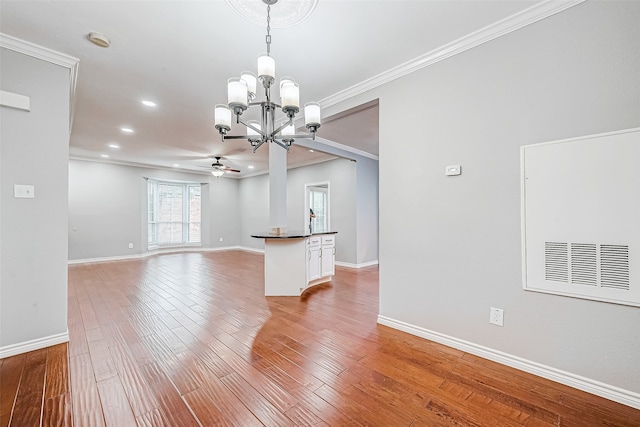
{"x": 189, "y": 339}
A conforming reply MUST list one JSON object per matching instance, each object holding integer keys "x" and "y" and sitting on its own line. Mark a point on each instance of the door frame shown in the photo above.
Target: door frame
{"x": 307, "y": 186}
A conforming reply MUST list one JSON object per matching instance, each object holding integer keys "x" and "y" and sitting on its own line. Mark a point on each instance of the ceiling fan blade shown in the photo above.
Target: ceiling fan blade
{"x": 231, "y": 170}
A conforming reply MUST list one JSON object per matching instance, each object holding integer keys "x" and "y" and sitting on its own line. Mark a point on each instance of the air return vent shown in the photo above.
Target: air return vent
{"x": 613, "y": 262}
{"x": 581, "y": 217}
{"x": 583, "y": 264}
{"x": 556, "y": 265}
{"x": 614, "y": 266}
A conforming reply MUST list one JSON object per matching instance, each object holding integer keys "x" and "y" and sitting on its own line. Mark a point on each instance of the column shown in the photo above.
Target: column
{"x": 277, "y": 189}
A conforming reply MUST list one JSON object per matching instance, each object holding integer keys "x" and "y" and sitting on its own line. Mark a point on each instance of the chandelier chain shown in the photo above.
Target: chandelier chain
{"x": 269, "y": 29}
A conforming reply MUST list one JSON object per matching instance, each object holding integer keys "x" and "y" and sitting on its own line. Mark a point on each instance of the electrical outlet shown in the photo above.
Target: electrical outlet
{"x": 496, "y": 316}
{"x": 221, "y": 239}
{"x": 130, "y": 245}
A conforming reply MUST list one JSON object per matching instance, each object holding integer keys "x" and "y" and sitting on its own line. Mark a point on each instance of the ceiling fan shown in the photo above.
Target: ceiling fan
{"x": 218, "y": 169}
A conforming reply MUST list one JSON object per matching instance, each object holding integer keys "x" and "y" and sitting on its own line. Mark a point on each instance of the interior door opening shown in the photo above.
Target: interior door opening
{"x": 317, "y": 207}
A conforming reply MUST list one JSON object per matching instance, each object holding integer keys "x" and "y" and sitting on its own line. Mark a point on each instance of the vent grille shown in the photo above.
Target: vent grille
{"x": 583, "y": 264}
{"x": 556, "y": 262}
{"x": 614, "y": 266}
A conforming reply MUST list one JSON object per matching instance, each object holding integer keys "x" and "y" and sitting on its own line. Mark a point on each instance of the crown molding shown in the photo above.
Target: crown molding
{"x": 37, "y": 51}
{"x": 140, "y": 165}
{"x": 51, "y": 56}
{"x": 500, "y": 28}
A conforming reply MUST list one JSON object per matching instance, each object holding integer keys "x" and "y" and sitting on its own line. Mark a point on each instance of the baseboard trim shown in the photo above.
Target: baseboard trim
{"x": 362, "y": 265}
{"x": 106, "y": 259}
{"x": 37, "y": 344}
{"x": 151, "y": 253}
{"x": 248, "y": 249}
{"x": 626, "y": 397}
{"x": 175, "y": 250}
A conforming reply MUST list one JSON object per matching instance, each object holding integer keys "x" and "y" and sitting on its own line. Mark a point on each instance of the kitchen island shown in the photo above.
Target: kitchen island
{"x": 296, "y": 261}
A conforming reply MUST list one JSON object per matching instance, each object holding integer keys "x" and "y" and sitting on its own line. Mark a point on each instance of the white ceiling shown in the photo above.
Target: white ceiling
{"x": 180, "y": 54}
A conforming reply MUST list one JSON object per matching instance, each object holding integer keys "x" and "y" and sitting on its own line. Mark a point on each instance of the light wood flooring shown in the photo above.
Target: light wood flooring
{"x": 189, "y": 339}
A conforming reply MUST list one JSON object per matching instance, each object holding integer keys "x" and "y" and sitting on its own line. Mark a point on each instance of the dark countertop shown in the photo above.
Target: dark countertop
{"x": 293, "y": 234}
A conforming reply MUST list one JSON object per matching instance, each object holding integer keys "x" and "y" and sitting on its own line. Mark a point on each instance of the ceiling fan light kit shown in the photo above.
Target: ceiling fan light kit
{"x": 242, "y": 91}
{"x": 218, "y": 169}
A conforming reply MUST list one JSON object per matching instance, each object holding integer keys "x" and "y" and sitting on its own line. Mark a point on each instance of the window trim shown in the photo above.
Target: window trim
{"x": 152, "y": 225}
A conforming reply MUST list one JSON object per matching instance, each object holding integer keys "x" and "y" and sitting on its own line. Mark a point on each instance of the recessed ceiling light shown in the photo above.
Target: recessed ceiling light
{"x": 114, "y": 145}
{"x": 149, "y": 103}
{"x": 311, "y": 151}
{"x": 175, "y": 165}
{"x": 126, "y": 130}
{"x": 250, "y": 166}
{"x": 106, "y": 156}
{"x": 99, "y": 39}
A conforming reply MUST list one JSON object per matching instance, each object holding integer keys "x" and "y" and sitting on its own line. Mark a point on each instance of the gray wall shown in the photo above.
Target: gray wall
{"x": 107, "y": 209}
{"x": 33, "y": 232}
{"x": 253, "y": 199}
{"x": 450, "y": 247}
{"x": 366, "y": 192}
{"x": 224, "y": 210}
{"x": 341, "y": 175}
{"x": 367, "y": 201}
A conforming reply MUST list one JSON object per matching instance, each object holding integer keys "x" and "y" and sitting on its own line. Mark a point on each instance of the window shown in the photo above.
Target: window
{"x": 174, "y": 211}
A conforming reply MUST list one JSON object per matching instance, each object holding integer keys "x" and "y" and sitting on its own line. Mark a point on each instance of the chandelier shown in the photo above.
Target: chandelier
{"x": 241, "y": 93}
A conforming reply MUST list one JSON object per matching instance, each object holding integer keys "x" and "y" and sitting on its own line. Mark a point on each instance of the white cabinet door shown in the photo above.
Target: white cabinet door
{"x": 313, "y": 263}
{"x": 328, "y": 261}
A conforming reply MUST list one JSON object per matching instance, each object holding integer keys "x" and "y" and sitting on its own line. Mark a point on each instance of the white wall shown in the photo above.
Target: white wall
{"x": 450, "y": 247}
{"x": 34, "y": 150}
{"x": 107, "y": 209}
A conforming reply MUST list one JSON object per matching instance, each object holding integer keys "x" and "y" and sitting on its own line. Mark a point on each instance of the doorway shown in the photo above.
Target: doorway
{"x": 317, "y": 207}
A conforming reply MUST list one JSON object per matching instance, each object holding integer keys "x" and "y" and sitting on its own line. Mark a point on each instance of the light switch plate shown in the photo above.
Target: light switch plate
{"x": 452, "y": 170}
{"x": 23, "y": 191}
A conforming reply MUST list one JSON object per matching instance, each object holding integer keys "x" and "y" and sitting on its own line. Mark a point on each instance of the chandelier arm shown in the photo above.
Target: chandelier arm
{"x": 236, "y": 137}
{"x": 257, "y": 144}
{"x": 301, "y": 136}
{"x": 282, "y": 144}
{"x": 250, "y": 126}
{"x": 284, "y": 125}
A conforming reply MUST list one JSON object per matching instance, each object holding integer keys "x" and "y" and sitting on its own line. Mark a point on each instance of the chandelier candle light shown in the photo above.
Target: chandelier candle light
{"x": 242, "y": 91}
